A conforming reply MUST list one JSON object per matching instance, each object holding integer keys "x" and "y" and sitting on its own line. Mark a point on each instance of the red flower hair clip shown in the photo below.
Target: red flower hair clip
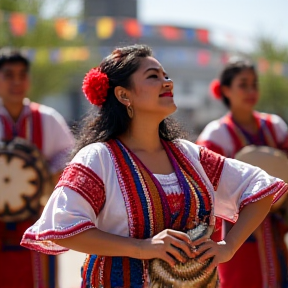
{"x": 95, "y": 86}
{"x": 215, "y": 89}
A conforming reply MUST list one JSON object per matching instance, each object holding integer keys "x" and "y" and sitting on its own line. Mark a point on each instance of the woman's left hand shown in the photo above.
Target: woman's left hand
{"x": 220, "y": 251}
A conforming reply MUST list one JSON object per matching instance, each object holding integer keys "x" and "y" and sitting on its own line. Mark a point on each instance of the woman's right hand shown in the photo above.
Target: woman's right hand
{"x": 163, "y": 246}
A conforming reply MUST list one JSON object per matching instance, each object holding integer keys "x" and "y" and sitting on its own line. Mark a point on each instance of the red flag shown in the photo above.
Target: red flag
{"x": 203, "y": 57}
{"x": 202, "y": 35}
{"x": 170, "y": 33}
{"x": 263, "y": 65}
{"x": 18, "y": 24}
{"x": 133, "y": 28}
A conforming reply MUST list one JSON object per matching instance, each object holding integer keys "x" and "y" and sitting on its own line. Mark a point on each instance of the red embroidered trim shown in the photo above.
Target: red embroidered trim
{"x": 211, "y": 146}
{"x": 231, "y": 127}
{"x": 8, "y": 134}
{"x": 33, "y": 240}
{"x": 278, "y": 188}
{"x": 269, "y": 124}
{"x": 84, "y": 181}
{"x": 213, "y": 165}
{"x": 37, "y": 125}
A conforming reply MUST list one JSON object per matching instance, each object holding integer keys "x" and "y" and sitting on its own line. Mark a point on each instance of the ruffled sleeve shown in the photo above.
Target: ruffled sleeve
{"x": 74, "y": 205}
{"x": 237, "y": 184}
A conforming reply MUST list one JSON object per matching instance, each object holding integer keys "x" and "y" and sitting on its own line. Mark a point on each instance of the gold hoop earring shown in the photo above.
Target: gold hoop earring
{"x": 130, "y": 111}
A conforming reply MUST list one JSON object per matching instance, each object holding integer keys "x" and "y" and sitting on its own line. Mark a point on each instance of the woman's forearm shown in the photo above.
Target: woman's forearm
{"x": 249, "y": 219}
{"x": 95, "y": 241}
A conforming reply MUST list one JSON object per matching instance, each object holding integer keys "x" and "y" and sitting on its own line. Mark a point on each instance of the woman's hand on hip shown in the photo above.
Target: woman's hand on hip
{"x": 219, "y": 251}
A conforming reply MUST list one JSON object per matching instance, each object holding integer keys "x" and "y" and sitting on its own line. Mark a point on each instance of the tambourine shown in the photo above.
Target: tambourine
{"x": 193, "y": 273}
{"x": 271, "y": 160}
{"x": 24, "y": 179}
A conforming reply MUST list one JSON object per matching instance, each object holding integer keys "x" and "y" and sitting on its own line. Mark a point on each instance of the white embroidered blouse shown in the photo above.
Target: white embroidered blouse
{"x": 68, "y": 212}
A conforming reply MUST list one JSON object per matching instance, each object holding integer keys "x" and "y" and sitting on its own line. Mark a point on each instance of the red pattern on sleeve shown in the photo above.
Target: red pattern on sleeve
{"x": 87, "y": 183}
{"x": 213, "y": 165}
{"x": 212, "y": 146}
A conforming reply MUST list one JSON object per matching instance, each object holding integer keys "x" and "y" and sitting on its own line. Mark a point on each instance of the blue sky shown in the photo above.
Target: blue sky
{"x": 240, "y": 21}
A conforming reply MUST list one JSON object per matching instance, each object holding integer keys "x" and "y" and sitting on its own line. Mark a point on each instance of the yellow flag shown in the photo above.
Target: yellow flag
{"x": 105, "y": 27}
{"x": 278, "y": 68}
{"x": 66, "y": 29}
{"x": 41, "y": 56}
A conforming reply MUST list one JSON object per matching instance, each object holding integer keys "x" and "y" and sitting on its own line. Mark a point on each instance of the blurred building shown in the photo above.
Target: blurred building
{"x": 191, "y": 63}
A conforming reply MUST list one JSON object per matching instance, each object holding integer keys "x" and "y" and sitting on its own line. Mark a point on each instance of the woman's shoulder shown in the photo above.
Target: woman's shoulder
{"x": 273, "y": 118}
{"x": 93, "y": 155}
{"x": 213, "y": 131}
{"x": 188, "y": 147}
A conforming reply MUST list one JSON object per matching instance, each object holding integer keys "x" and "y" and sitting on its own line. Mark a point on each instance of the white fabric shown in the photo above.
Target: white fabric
{"x": 217, "y": 132}
{"x": 67, "y": 208}
{"x": 57, "y": 138}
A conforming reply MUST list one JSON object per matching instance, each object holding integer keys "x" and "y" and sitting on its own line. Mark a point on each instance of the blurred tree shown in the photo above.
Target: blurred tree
{"x": 48, "y": 78}
{"x": 273, "y": 85}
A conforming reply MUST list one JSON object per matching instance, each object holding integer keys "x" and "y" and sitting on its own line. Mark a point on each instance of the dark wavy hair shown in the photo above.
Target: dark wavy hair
{"x": 112, "y": 120}
{"x": 230, "y": 71}
{"x": 8, "y": 56}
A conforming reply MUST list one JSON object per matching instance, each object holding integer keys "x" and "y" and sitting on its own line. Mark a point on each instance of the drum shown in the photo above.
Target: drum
{"x": 275, "y": 163}
{"x": 184, "y": 275}
{"x": 271, "y": 160}
{"x": 24, "y": 179}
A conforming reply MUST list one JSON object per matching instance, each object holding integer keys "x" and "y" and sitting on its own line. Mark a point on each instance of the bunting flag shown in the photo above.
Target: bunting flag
{"x": 133, "y": 28}
{"x": 277, "y": 68}
{"x": 200, "y": 57}
{"x": 203, "y": 57}
{"x": 189, "y": 33}
{"x": 105, "y": 27}
{"x": 18, "y": 24}
{"x": 31, "y": 22}
{"x": 74, "y": 54}
{"x": 66, "y": 29}
{"x": 202, "y": 35}
{"x": 170, "y": 33}
{"x": 263, "y": 65}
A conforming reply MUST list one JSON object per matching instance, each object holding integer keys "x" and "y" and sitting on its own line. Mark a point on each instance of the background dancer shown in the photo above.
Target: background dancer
{"x": 35, "y": 141}
{"x": 262, "y": 259}
{"x": 135, "y": 186}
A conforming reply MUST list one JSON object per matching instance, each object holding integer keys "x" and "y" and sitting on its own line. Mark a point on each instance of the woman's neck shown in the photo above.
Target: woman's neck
{"x": 246, "y": 120}
{"x": 243, "y": 118}
{"x": 142, "y": 137}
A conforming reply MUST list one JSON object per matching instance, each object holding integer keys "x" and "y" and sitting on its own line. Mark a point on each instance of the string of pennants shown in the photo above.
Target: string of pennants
{"x": 69, "y": 28}
{"x": 192, "y": 57}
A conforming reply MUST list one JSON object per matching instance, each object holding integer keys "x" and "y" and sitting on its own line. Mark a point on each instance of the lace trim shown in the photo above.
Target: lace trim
{"x": 84, "y": 181}
{"x": 169, "y": 183}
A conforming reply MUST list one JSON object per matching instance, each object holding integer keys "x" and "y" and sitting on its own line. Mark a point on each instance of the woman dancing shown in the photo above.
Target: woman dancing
{"x": 135, "y": 186}
{"x": 262, "y": 259}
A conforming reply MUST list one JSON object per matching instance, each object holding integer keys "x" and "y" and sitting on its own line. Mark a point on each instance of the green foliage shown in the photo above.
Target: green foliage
{"x": 47, "y": 78}
{"x": 273, "y": 87}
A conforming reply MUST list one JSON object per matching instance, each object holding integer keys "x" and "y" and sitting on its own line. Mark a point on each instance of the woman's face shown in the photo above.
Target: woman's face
{"x": 243, "y": 93}
{"x": 152, "y": 90}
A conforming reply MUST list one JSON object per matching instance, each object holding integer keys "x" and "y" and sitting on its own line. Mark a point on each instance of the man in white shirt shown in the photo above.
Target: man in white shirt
{"x": 47, "y": 130}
